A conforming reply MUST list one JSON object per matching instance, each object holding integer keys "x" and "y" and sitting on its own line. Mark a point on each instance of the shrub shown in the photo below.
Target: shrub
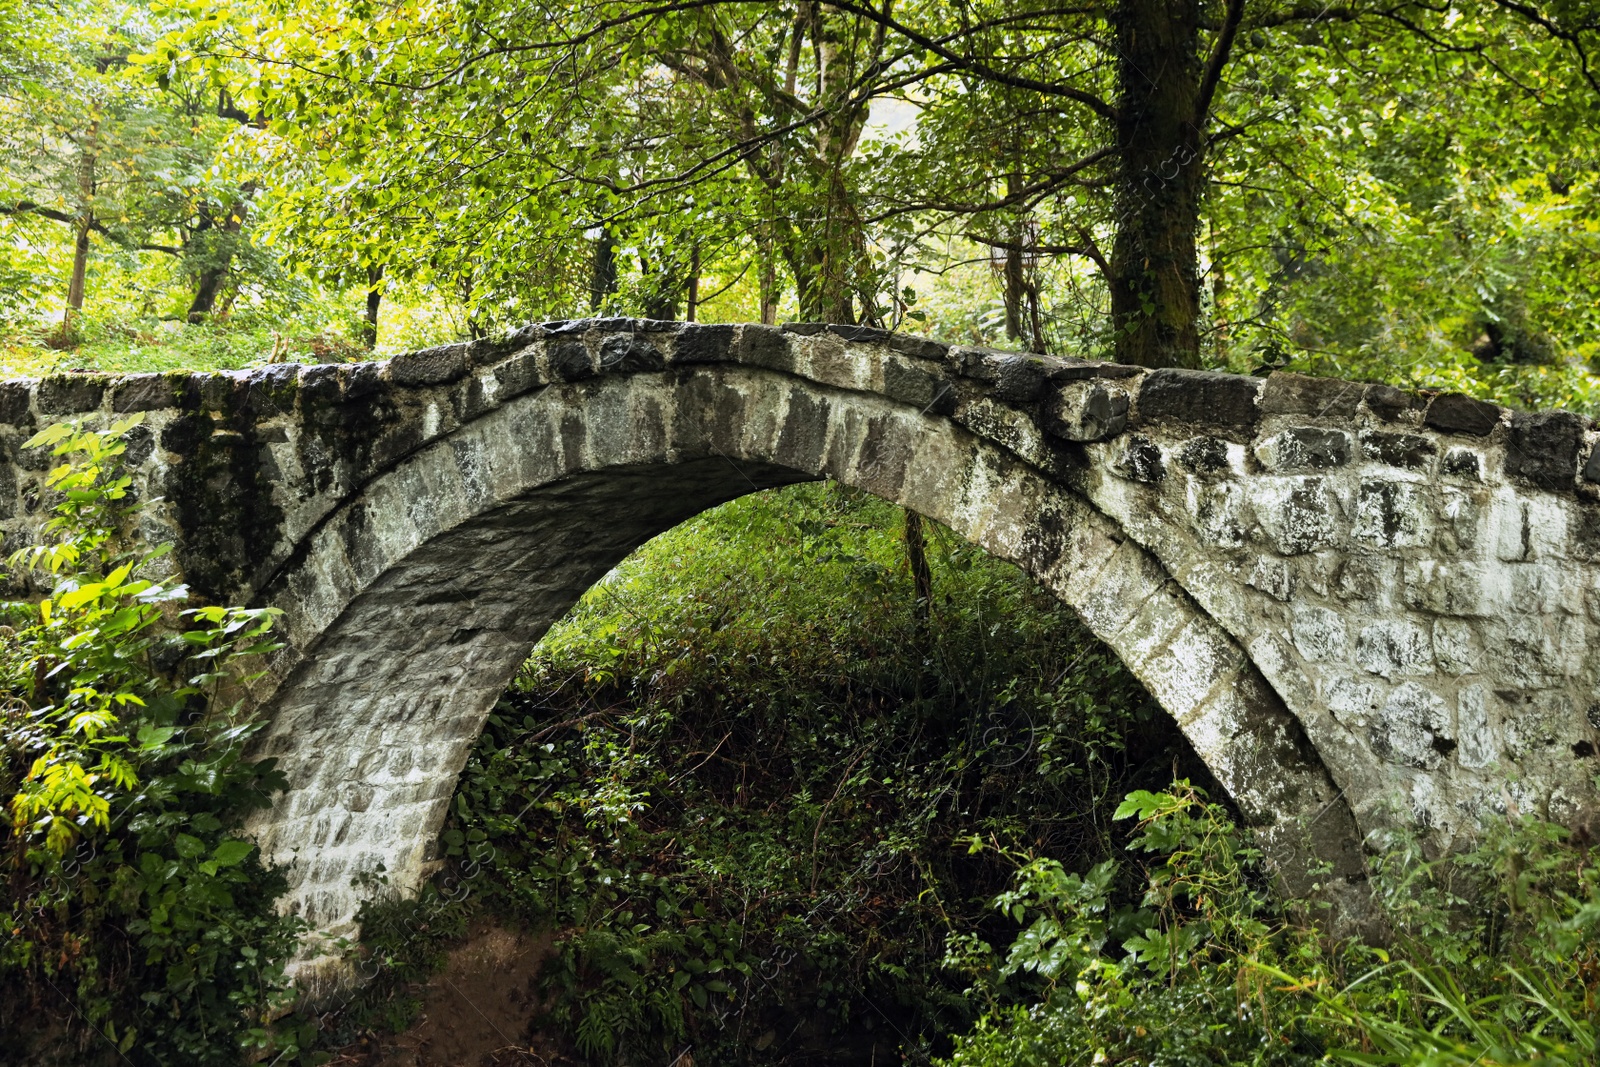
{"x": 137, "y": 919}
{"x": 1494, "y": 958}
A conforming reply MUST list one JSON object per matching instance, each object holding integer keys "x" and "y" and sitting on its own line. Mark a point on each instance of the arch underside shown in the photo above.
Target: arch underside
{"x": 417, "y": 600}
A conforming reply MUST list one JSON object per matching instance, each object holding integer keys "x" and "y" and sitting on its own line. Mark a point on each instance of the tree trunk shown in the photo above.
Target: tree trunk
{"x": 769, "y": 287}
{"x": 1016, "y": 292}
{"x": 215, "y": 276}
{"x": 662, "y": 284}
{"x": 369, "y": 324}
{"x": 1219, "y": 293}
{"x": 80, "y": 270}
{"x": 205, "y": 294}
{"x": 921, "y": 574}
{"x": 603, "y": 280}
{"x": 1155, "y": 296}
{"x": 81, "y": 230}
{"x": 693, "y": 305}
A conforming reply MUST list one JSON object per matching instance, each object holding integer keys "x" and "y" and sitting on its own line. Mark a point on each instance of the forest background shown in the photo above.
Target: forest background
{"x": 1391, "y": 191}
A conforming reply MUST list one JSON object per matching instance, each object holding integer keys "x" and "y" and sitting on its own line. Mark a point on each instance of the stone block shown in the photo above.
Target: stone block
{"x": 144, "y": 392}
{"x": 1584, "y": 538}
{"x": 1390, "y": 515}
{"x": 1118, "y": 590}
{"x": 1354, "y": 703}
{"x": 918, "y": 347}
{"x": 622, "y": 353}
{"x": 1319, "y": 633}
{"x": 869, "y": 335}
{"x": 1227, "y": 402}
{"x": 1274, "y": 577}
{"x": 1542, "y": 448}
{"x": 16, "y": 399}
{"x": 1141, "y": 460}
{"x": 1463, "y": 590}
{"x": 1194, "y": 661}
{"x": 1204, "y": 455}
{"x": 1413, "y": 728}
{"x": 1591, "y": 469}
{"x": 1475, "y": 731}
{"x": 1541, "y": 723}
{"x": 1458, "y": 513}
{"x": 1305, "y": 448}
{"x": 1389, "y": 403}
{"x": 1287, "y": 393}
{"x": 1510, "y": 527}
{"x": 1070, "y": 368}
{"x": 1014, "y": 379}
{"x": 430, "y": 366}
{"x": 1463, "y": 463}
{"x": 1218, "y": 513}
{"x": 1282, "y": 668}
{"x": 70, "y": 394}
{"x": 917, "y": 384}
{"x": 1085, "y": 411}
{"x": 1454, "y": 413}
{"x": 1456, "y": 648}
{"x": 1523, "y": 651}
{"x": 1407, "y": 450}
{"x": 519, "y": 372}
{"x": 1394, "y": 648}
{"x": 1297, "y": 514}
{"x": 764, "y": 346}
{"x": 570, "y": 361}
{"x": 703, "y": 344}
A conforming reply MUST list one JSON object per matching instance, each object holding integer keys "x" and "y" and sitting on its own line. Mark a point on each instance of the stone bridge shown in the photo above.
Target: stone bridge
{"x": 1364, "y": 607}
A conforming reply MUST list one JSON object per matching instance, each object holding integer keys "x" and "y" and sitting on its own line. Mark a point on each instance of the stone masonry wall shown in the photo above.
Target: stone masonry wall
{"x": 1364, "y": 607}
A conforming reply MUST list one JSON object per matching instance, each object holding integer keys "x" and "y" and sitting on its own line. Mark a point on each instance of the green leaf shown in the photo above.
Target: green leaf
{"x": 231, "y": 853}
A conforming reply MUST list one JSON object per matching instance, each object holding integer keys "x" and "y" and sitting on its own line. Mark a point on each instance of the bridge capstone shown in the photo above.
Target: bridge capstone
{"x": 1365, "y": 607}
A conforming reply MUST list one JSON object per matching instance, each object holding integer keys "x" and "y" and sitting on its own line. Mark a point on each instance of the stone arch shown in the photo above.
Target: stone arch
{"x": 416, "y": 600}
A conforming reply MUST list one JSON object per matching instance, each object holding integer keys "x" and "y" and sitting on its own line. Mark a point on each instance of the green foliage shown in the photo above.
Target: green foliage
{"x": 132, "y": 908}
{"x": 1493, "y": 958}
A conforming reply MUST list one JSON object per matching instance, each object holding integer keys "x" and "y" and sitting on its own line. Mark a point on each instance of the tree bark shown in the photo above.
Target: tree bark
{"x": 82, "y": 227}
{"x": 692, "y": 308}
{"x": 921, "y": 573}
{"x": 603, "y": 279}
{"x": 1012, "y": 269}
{"x": 369, "y": 323}
{"x": 769, "y": 284}
{"x": 1155, "y": 295}
{"x": 80, "y": 270}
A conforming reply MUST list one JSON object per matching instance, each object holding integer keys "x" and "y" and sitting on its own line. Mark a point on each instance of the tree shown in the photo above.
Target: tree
{"x": 89, "y": 145}
{"x": 1112, "y": 132}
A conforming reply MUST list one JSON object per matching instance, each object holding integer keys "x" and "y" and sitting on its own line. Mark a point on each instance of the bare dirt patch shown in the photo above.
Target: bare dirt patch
{"x": 482, "y": 1010}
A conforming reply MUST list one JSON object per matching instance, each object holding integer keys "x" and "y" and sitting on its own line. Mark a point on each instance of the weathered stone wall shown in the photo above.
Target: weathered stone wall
{"x": 1363, "y": 606}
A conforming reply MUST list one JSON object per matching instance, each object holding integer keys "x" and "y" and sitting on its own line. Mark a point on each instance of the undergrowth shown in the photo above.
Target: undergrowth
{"x": 735, "y": 777}
{"x": 1494, "y": 957}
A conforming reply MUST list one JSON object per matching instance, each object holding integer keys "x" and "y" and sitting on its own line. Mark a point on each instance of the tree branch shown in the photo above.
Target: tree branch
{"x": 28, "y": 207}
{"x": 1214, "y": 66}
